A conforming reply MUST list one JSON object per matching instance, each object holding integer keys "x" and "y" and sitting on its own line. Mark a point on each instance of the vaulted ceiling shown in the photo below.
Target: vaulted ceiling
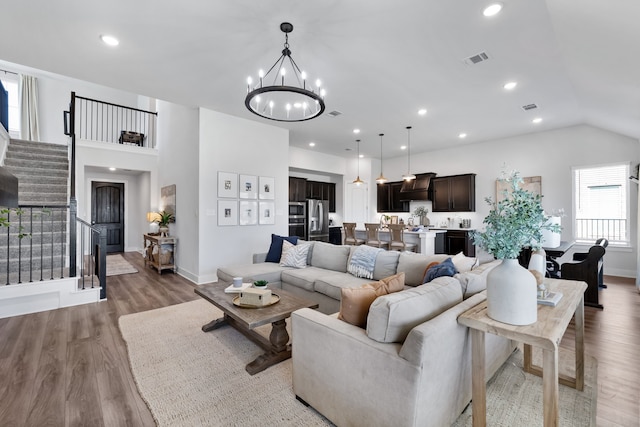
{"x": 578, "y": 61}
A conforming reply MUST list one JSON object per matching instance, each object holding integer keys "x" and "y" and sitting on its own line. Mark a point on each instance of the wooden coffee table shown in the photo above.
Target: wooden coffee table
{"x": 245, "y": 320}
{"x": 546, "y": 333}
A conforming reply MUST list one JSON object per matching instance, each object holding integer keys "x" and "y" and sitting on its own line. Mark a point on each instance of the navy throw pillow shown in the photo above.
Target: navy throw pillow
{"x": 275, "y": 250}
{"x": 445, "y": 268}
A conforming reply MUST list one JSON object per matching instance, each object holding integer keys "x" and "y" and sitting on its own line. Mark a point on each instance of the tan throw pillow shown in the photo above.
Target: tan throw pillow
{"x": 355, "y": 302}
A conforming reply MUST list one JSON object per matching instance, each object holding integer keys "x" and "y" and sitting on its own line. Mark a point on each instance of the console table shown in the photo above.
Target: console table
{"x": 150, "y": 243}
{"x": 546, "y": 333}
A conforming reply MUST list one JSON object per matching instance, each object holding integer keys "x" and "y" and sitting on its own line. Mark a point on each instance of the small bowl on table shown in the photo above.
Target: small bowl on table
{"x": 260, "y": 284}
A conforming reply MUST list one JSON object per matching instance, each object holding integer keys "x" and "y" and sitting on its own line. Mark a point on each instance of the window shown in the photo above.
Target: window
{"x": 601, "y": 203}
{"x": 10, "y": 83}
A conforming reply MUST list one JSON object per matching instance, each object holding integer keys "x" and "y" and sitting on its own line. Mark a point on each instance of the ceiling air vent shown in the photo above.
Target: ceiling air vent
{"x": 334, "y": 113}
{"x": 475, "y": 59}
{"x": 529, "y": 107}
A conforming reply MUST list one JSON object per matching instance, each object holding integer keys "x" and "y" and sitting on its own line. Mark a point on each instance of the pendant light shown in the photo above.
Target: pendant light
{"x": 358, "y": 181}
{"x": 381, "y": 179}
{"x": 408, "y": 176}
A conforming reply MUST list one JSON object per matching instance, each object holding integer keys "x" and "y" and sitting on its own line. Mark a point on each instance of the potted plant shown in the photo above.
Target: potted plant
{"x": 260, "y": 284}
{"x": 421, "y": 212}
{"x": 163, "y": 220}
{"x": 514, "y": 222}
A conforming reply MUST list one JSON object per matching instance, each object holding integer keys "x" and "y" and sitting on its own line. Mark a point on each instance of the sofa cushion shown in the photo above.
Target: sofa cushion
{"x": 275, "y": 250}
{"x": 464, "y": 263}
{"x": 386, "y": 264}
{"x": 294, "y": 255}
{"x": 330, "y": 257}
{"x": 414, "y": 266}
{"x": 445, "y": 268}
{"x": 331, "y": 283}
{"x": 262, "y": 271}
{"x": 355, "y": 302}
{"x": 304, "y": 278}
{"x": 391, "y": 317}
{"x": 475, "y": 281}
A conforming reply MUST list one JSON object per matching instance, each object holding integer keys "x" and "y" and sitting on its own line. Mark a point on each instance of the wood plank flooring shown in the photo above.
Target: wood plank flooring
{"x": 69, "y": 367}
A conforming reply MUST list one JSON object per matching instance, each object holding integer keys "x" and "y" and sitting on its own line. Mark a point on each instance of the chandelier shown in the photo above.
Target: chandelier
{"x": 291, "y": 101}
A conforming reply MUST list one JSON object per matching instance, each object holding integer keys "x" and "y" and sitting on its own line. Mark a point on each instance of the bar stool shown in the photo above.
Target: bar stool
{"x": 373, "y": 236}
{"x": 350, "y": 234}
{"x": 397, "y": 242}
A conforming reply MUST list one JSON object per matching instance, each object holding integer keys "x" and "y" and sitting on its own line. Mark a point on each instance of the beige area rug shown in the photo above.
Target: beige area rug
{"x": 192, "y": 378}
{"x": 116, "y": 264}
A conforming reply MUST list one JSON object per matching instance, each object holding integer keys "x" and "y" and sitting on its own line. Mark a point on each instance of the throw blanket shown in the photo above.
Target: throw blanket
{"x": 363, "y": 261}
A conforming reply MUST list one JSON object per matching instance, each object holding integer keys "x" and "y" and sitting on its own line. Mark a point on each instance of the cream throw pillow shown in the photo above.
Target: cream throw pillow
{"x": 464, "y": 263}
{"x": 294, "y": 255}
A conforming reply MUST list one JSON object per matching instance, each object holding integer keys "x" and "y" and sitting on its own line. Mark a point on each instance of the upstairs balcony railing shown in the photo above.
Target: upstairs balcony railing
{"x": 107, "y": 122}
{"x": 590, "y": 229}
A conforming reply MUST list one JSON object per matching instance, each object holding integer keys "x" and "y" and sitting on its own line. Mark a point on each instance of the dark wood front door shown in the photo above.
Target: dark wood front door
{"x": 107, "y": 210}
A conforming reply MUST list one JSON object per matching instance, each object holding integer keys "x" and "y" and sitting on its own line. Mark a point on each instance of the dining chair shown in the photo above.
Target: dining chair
{"x": 373, "y": 236}
{"x": 350, "y": 234}
{"x": 397, "y": 242}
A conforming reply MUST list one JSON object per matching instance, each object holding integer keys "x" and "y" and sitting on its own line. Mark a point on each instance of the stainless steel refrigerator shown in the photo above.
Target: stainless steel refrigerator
{"x": 318, "y": 220}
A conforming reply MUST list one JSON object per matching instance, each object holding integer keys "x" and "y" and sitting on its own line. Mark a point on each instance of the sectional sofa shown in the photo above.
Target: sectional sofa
{"x": 410, "y": 365}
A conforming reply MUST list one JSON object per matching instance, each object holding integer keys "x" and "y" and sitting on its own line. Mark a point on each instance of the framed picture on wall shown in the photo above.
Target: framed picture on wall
{"x": 266, "y": 190}
{"x": 248, "y": 187}
{"x": 227, "y": 212}
{"x": 267, "y": 213}
{"x": 248, "y": 212}
{"x": 168, "y": 200}
{"x": 228, "y": 185}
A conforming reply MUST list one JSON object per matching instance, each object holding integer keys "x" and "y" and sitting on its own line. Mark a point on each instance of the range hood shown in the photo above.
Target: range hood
{"x": 417, "y": 189}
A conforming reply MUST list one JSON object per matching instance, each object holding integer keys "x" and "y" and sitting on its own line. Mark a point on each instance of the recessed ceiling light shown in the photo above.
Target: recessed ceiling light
{"x": 356, "y": 131}
{"x": 510, "y": 85}
{"x": 312, "y": 144}
{"x": 403, "y": 147}
{"x": 112, "y": 169}
{"x": 492, "y": 9}
{"x": 536, "y": 120}
{"x": 109, "y": 40}
{"x": 462, "y": 135}
{"x": 361, "y": 156}
{"x": 422, "y": 111}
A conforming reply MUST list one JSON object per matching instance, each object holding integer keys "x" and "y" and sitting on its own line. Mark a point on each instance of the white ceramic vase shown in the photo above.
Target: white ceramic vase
{"x": 512, "y": 294}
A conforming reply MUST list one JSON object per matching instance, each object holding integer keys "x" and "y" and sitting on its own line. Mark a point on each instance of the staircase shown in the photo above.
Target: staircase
{"x": 42, "y": 170}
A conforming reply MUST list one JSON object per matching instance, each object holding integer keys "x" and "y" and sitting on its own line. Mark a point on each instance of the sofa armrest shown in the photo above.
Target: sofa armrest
{"x": 416, "y": 348}
{"x": 258, "y": 258}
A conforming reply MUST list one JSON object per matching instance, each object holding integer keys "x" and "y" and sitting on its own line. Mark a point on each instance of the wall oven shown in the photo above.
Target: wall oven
{"x": 298, "y": 219}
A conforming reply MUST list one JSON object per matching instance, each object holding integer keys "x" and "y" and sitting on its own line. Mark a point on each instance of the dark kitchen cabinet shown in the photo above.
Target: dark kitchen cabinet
{"x": 389, "y": 198}
{"x": 456, "y": 193}
{"x": 322, "y": 191}
{"x": 460, "y": 241}
{"x": 297, "y": 189}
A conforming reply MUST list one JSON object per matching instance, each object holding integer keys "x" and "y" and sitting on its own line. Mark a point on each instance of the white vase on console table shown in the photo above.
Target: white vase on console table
{"x": 512, "y": 294}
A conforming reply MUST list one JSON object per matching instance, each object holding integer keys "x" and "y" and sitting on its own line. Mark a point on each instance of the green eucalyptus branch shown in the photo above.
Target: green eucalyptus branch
{"x": 514, "y": 222}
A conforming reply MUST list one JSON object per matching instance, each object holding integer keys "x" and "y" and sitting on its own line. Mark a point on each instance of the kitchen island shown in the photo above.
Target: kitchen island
{"x": 424, "y": 240}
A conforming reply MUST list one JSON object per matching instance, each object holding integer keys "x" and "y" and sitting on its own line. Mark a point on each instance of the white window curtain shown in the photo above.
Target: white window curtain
{"x": 29, "y": 108}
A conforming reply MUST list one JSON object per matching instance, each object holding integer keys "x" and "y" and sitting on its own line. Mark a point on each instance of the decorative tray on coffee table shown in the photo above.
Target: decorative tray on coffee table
{"x": 274, "y": 299}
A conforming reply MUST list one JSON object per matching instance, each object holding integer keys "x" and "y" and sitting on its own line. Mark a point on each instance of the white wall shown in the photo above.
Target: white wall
{"x": 178, "y": 146}
{"x": 232, "y": 144}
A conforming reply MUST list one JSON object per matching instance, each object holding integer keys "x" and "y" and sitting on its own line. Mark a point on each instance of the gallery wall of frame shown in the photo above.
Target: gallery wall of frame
{"x": 245, "y": 199}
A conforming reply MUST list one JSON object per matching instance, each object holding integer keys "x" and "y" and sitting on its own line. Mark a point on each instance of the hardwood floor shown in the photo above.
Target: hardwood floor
{"x": 69, "y": 367}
